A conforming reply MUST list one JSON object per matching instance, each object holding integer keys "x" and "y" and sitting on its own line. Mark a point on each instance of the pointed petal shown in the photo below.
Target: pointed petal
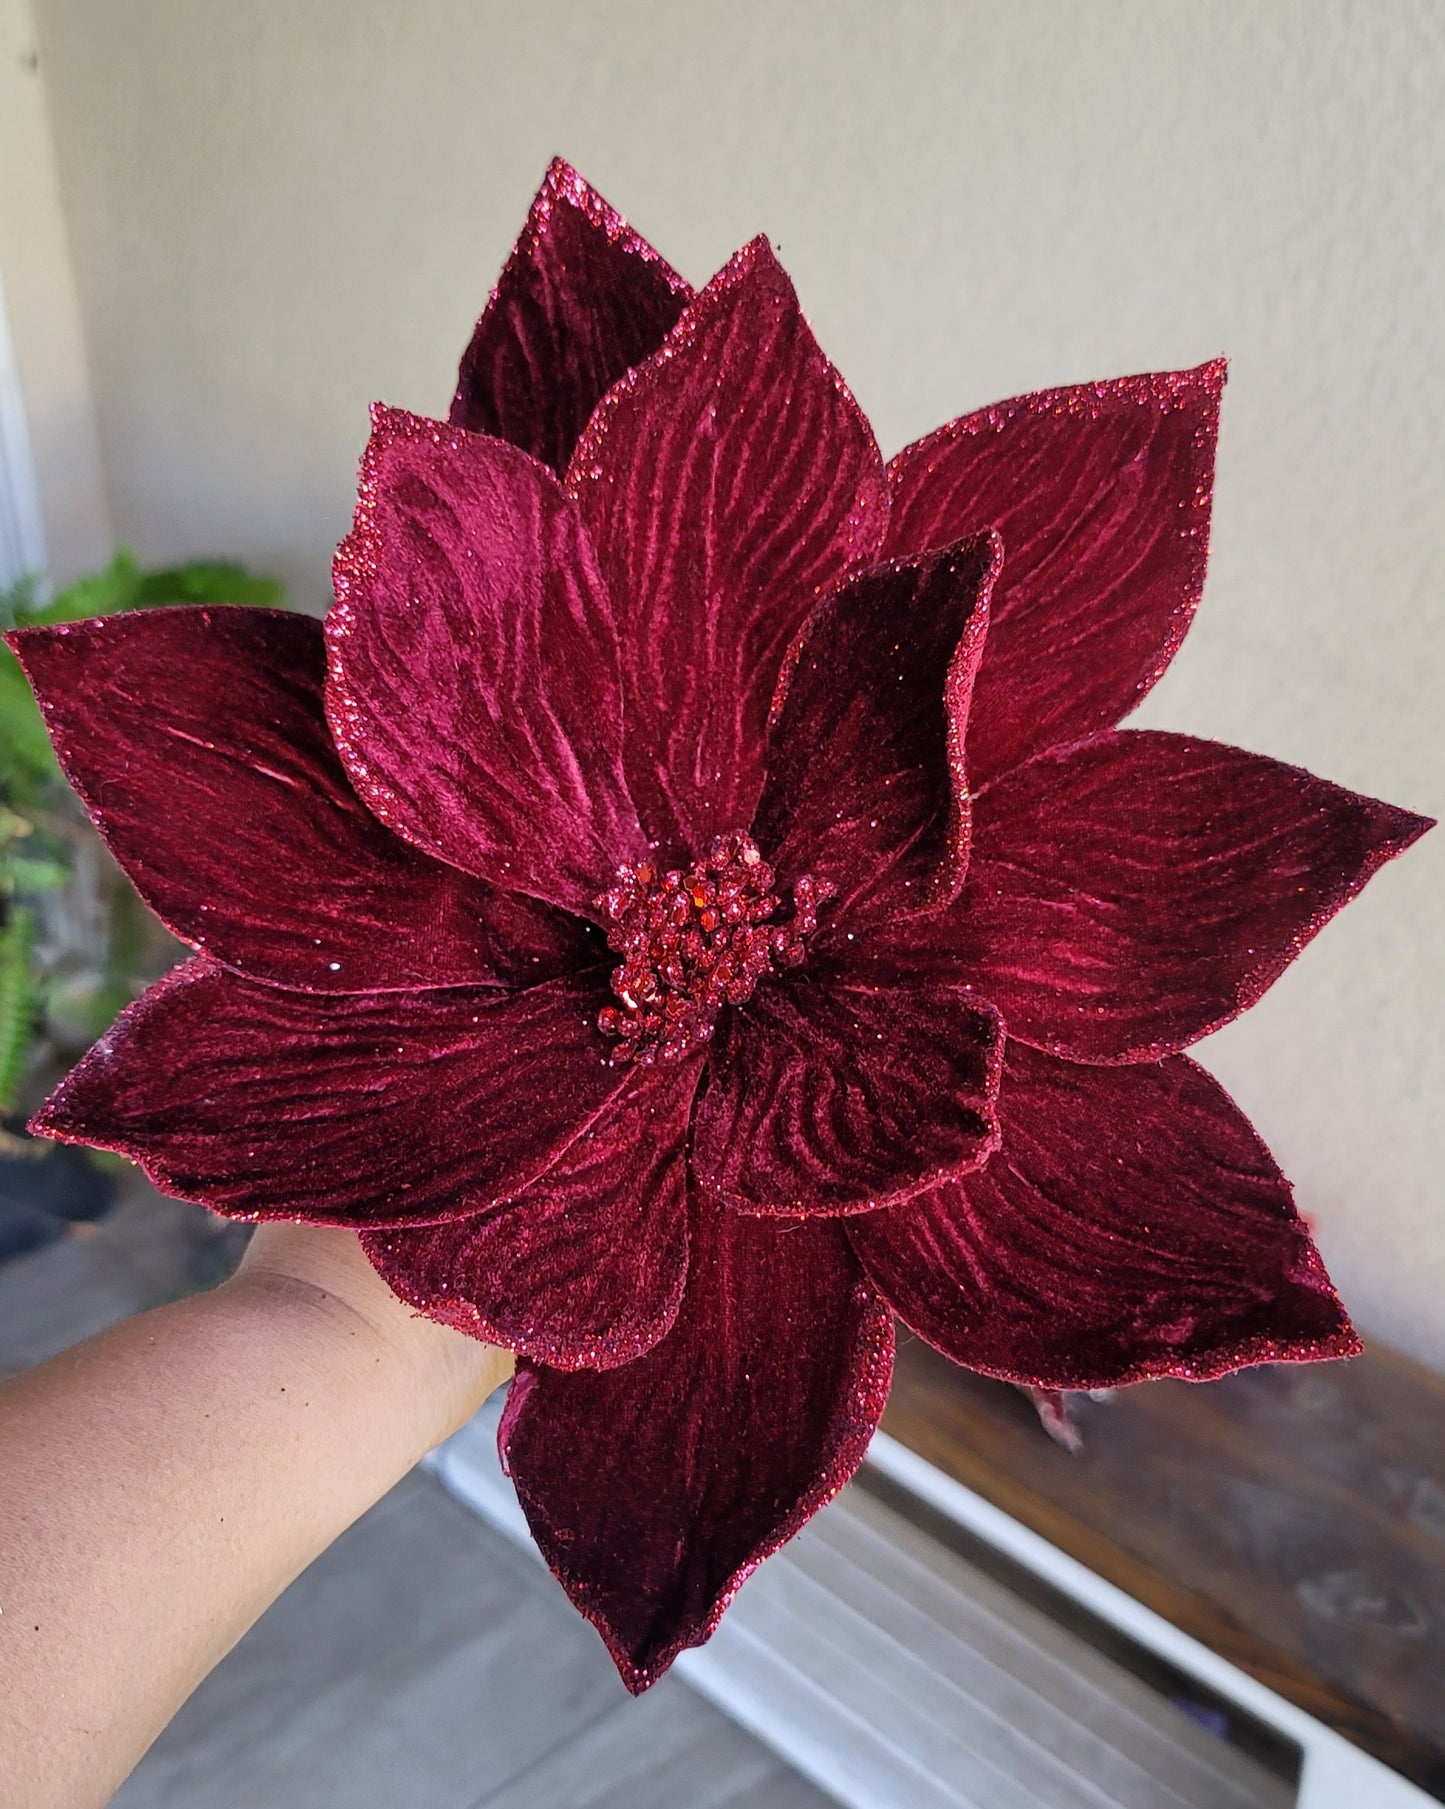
{"x": 582, "y": 299}
{"x": 583, "y": 1270}
{"x": 838, "y": 1092}
{"x": 197, "y": 741}
{"x": 1132, "y": 1225}
{"x": 727, "y": 483}
{"x": 474, "y": 691}
{"x": 1101, "y": 494}
{"x": 865, "y": 785}
{"x": 655, "y": 1489}
{"x": 377, "y": 1109}
{"x": 1131, "y": 894}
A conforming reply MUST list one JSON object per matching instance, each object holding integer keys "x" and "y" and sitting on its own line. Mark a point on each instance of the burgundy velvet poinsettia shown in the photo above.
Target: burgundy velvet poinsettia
{"x": 696, "y": 903}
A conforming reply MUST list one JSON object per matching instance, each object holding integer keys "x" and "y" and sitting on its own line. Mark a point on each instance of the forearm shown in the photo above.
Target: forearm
{"x": 163, "y": 1482}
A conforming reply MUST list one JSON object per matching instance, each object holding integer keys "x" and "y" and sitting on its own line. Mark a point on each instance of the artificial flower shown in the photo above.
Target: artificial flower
{"x": 696, "y": 903}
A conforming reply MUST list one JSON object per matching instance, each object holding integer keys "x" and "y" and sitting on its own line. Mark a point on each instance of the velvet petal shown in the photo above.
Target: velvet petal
{"x": 1101, "y": 494}
{"x": 655, "y": 1489}
{"x": 374, "y": 1109}
{"x": 727, "y": 483}
{"x": 837, "y": 1090}
{"x": 197, "y": 741}
{"x": 581, "y": 300}
{"x": 1132, "y": 1225}
{"x": 474, "y": 691}
{"x": 585, "y": 1268}
{"x": 865, "y": 785}
{"x": 1129, "y": 895}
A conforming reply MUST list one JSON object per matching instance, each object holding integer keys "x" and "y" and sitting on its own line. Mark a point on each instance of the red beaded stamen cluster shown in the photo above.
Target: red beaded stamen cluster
{"x": 693, "y": 942}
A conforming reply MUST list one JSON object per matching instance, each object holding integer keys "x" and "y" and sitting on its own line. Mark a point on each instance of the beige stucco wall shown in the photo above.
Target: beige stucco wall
{"x": 42, "y": 319}
{"x": 281, "y": 208}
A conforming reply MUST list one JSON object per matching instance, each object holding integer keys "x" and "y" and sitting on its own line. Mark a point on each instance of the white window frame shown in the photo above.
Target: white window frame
{"x": 22, "y": 528}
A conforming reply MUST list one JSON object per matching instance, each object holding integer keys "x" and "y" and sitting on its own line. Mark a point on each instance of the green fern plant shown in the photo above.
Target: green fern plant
{"x": 17, "y": 1000}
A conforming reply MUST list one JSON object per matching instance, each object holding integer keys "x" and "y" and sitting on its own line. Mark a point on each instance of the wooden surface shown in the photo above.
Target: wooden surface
{"x": 1290, "y": 1518}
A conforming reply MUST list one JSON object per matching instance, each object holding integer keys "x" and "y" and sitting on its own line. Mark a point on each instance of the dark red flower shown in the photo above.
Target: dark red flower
{"x": 618, "y": 917}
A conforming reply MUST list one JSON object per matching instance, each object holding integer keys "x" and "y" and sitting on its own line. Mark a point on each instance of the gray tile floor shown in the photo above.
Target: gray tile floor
{"x": 421, "y": 1661}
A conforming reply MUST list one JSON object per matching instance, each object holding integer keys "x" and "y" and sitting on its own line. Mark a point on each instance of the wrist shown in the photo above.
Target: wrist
{"x": 320, "y": 1280}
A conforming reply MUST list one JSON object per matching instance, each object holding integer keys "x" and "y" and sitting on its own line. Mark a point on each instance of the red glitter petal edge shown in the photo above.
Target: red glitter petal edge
{"x": 774, "y": 1135}
{"x": 1274, "y": 852}
{"x": 867, "y": 1392}
{"x": 226, "y": 804}
{"x": 714, "y": 542}
{"x": 865, "y": 785}
{"x": 1102, "y": 493}
{"x": 474, "y": 688}
{"x": 586, "y": 1268}
{"x": 1133, "y": 1226}
{"x": 581, "y": 300}
{"x": 241, "y": 1095}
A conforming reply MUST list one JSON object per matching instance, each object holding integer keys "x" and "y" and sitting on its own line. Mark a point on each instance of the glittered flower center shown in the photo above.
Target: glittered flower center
{"x": 693, "y": 942}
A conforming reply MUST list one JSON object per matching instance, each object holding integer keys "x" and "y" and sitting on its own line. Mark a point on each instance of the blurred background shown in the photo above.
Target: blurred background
{"x": 228, "y": 225}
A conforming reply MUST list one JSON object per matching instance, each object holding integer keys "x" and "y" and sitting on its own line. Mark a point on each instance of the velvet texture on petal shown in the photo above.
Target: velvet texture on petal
{"x": 585, "y": 1268}
{"x": 837, "y": 1091}
{"x": 727, "y": 483}
{"x": 1132, "y": 1225}
{"x": 653, "y": 1490}
{"x": 1101, "y": 494}
{"x": 197, "y": 740}
{"x": 865, "y": 785}
{"x": 1129, "y": 895}
{"x": 582, "y": 299}
{"x": 474, "y": 691}
{"x": 373, "y": 1109}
